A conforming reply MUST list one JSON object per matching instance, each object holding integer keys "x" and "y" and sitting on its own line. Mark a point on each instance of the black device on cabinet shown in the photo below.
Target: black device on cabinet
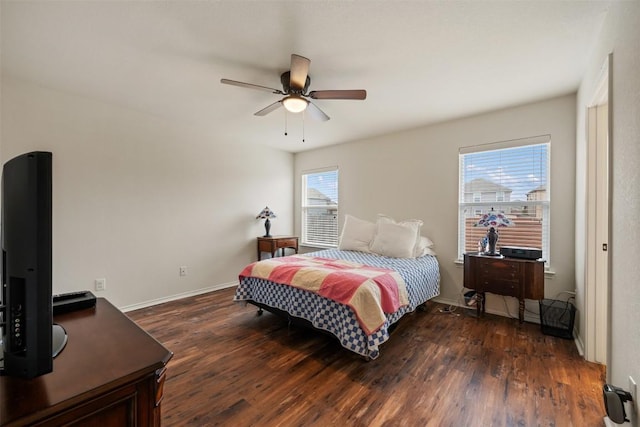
{"x": 27, "y": 321}
{"x": 521, "y": 252}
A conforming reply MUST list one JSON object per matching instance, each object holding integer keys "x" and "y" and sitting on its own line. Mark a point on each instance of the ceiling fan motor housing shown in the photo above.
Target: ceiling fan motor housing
{"x": 286, "y": 86}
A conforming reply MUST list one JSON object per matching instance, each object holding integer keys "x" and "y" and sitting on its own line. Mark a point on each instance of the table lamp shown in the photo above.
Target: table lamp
{"x": 493, "y": 220}
{"x": 266, "y": 213}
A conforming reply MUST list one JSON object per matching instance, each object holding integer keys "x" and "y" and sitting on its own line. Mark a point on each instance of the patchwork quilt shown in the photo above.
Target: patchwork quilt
{"x": 369, "y": 291}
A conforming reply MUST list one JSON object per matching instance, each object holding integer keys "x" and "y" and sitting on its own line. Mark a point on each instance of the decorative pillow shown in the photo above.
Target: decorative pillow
{"x": 356, "y": 234}
{"x": 414, "y": 224}
{"x": 396, "y": 240}
{"x": 426, "y": 251}
{"x": 424, "y": 247}
{"x": 426, "y": 242}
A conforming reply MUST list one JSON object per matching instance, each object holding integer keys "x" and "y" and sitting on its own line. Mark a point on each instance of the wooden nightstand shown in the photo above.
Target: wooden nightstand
{"x": 273, "y": 243}
{"x": 519, "y": 278}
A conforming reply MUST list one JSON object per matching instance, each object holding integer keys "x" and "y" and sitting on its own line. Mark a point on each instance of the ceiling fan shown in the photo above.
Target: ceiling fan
{"x": 295, "y": 83}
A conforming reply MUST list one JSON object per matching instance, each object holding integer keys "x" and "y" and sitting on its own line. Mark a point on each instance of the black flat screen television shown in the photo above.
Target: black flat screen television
{"x": 27, "y": 328}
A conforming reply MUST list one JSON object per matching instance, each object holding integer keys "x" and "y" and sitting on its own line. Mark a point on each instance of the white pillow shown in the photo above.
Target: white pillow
{"x": 356, "y": 234}
{"x": 414, "y": 224}
{"x": 424, "y": 247}
{"x": 426, "y": 251}
{"x": 396, "y": 240}
{"x": 426, "y": 242}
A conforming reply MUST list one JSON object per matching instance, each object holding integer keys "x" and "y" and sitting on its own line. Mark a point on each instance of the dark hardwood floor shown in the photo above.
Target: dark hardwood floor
{"x": 232, "y": 367}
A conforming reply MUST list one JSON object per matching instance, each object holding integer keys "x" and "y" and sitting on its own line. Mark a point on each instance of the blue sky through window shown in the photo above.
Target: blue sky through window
{"x": 521, "y": 169}
{"x": 325, "y": 182}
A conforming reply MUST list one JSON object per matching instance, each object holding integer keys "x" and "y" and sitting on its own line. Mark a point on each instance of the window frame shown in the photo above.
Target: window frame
{"x": 305, "y": 208}
{"x": 474, "y": 206}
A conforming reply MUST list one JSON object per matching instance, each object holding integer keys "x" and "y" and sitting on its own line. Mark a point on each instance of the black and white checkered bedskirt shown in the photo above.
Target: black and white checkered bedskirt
{"x": 422, "y": 276}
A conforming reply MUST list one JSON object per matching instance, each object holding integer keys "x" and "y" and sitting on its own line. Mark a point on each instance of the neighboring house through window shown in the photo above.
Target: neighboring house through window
{"x": 320, "y": 208}
{"x": 509, "y": 177}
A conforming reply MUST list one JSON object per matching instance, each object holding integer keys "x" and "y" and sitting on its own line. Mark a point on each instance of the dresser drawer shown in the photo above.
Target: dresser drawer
{"x": 500, "y": 273}
{"x": 499, "y": 265}
{"x": 287, "y": 243}
{"x": 510, "y": 288}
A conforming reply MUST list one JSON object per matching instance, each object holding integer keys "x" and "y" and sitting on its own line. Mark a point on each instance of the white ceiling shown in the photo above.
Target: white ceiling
{"x": 420, "y": 61}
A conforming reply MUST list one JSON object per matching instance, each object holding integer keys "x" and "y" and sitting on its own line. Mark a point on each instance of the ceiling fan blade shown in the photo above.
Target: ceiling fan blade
{"x": 298, "y": 72}
{"x": 338, "y": 94}
{"x": 250, "y": 86}
{"x": 266, "y": 110}
{"x": 316, "y": 113}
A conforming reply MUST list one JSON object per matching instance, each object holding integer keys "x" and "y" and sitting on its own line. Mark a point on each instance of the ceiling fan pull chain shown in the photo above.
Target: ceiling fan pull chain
{"x": 285, "y": 122}
{"x": 303, "y": 114}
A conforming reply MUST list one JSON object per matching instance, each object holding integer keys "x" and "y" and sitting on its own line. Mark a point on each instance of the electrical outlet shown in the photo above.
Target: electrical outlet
{"x": 183, "y": 270}
{"x": 633, "y": 389}
{"x": 100, "y": 284}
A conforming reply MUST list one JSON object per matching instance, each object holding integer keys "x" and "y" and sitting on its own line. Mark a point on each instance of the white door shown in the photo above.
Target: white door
{"x": 597, "y": 239}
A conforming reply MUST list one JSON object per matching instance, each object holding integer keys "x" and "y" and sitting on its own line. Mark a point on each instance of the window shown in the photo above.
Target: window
{"x": 512, "y": 178}
{"x": 320, "y": 208}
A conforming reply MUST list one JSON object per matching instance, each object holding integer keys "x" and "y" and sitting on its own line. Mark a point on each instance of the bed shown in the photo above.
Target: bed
{"x": 420, "y": 275}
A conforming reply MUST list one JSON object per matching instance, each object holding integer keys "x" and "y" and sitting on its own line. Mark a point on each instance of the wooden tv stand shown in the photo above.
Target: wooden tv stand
{"x": 111, "y": 373}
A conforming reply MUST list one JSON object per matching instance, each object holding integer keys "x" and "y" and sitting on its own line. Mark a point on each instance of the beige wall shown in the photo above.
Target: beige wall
{"x": 414, "y": 174}
{"x": 620, "y": 35}
{"x": 135, "y": 197}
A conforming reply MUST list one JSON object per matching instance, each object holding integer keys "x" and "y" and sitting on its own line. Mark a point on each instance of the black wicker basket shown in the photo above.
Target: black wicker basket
{"x": 557, "y": 317}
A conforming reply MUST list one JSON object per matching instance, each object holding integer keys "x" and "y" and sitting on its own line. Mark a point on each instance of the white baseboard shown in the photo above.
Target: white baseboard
{"x": 579, "y": 343}
{"x": 157, "y": 301}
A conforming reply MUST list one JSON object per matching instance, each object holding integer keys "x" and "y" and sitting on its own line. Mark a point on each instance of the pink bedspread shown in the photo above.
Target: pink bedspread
{"x": 369, "y": 291}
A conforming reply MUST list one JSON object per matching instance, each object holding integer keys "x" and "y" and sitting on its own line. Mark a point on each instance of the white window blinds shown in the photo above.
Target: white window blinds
{"x": 320, "y": 208}
{"x": 509, "y": 177}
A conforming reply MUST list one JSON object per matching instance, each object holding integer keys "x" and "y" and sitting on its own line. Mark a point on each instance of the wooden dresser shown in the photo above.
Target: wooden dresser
{"x": 519, "y": 278}
{"x": 111, "y": 373}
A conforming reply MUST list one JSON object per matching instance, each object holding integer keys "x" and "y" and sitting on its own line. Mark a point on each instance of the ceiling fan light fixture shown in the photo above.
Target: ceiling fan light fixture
{"x": 295, "y": 103}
